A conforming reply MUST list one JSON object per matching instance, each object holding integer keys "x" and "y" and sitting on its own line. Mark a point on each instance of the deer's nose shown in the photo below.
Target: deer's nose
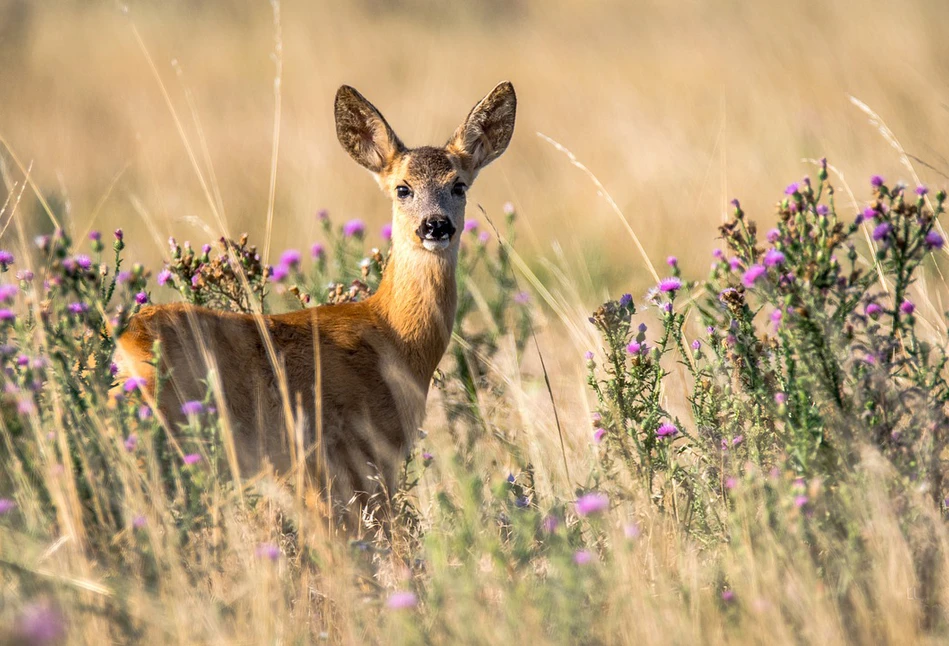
{"x": 435, "y": 227}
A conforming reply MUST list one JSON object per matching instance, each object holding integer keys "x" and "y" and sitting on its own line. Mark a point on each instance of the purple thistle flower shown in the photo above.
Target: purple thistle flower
{"x": 736, "y": 203}
{"x": 625, "y": 300}
{"x": 84, "y": 262}
{"x": 907, "y": 307}
{"x": 776, "y": 317}
{"x": 134, "y": 383}
{"x": 316, "y": 251}
{"x": 773, "y": 235}
{"x": 131, "y": 442}
{"x": 39, "y": 624}
{"x": 8, "y": 293}
{"x": 934, "y": 240}
{"x": 78, "y": 308}
{"x": 631, "y": 531}
{"x": 800, "y": 501}
{"x": 670, "y": 284}
{"x": 666, "y": 430}
{"x": 144, "y": 412}
{"x": 192, "y": 408}
{"x": 6, "y": 258}
{"x": 791, "y": 189}
{"x": 634, "y": 348}
{"x": 522, "y": 298}
{"x": 483, "y": 237}
{"x": 696, "y": 345}
{"x": 592, "y": 503}
{"x": 6, "y": 506}
{"x": 728, "y": 596}
{"x": 822, "y": 209}
{"x": 119, "y": 235}
{"x": 141, "y": 298}
{"x": 205, "y": 249}
{"x": 598, "y": 435}
{"x": 582, "y": 557}
{"x": 195, "y": 281}
{"x": 672, "y": 261}
{"x": 921, "y": 191}
{"x": 268, "y": 551}
{"x": 290, "y": 258}
{"x": 428, "y": 457}
{"x": 731, "y": 482}
{"x": 588, "y": 355}
{"x": 773, "y": 258}
{"x": 25, "y": 275}
{"x": 138, "y": 522}
{"x": 123, "y": 277}
{"x": 95, "y": 236}
{"x": 471, "y": 225}
{"x": 402, "y": 600}
{"x": 876, "y": 181}
{"x": 751, "y": 276}
{"x": 882, "y": 231}
{"x": 323, "y": 215}
{"x": 550, "y": 524}
{"x": 386, "y": 231}
{"x": 508, "y": 208}
{"x": 718, "y": 254}
{"x": 191, "y": 459}
{"x": 354, "y": 228}
{"x": 738, "y": 439}
{"x": 780, "y": 398}
{"x": 873, "y": 310}
{"x": 164, "y": 276}
{"x": 734, "y": 264}
{"x": 279, "y": 273}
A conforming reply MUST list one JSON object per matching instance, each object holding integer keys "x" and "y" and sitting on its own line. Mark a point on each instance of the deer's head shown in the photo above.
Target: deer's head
{"x": 427, "y": 185}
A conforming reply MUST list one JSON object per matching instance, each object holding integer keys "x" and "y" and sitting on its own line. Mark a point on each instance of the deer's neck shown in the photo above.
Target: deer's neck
{"x": 417, "y": 297}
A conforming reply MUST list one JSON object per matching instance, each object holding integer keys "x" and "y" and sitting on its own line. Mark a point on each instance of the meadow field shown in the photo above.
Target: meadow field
{"x": 697, "y": 388}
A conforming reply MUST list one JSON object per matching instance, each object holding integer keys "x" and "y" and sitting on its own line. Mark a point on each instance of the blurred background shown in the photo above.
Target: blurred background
{"x": 675, "y": 107}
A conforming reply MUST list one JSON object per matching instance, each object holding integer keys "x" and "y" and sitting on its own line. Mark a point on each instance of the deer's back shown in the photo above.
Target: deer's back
{"x": 343, "y": 379}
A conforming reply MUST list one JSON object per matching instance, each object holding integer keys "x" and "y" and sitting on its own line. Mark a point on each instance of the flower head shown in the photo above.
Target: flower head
{"x": 822, "y": 209}
{"x": 921, "y": 191}
{"x": 316, "y": 251}
{"x": 6, "y": 506}
{"x": 876, "y": 181}
{"x": 354, "y": 228}
{"x": 792, "y": 189}
{"x": 290, "y": 258}
{"x": 386, "y": 231}
{"x": 592, "y": 503}
{"x": 773, "y": 235}
{"x": 907, "y": 307}
{"x": 471, "y": 225}
{"x": 192, "y": 408}
{"x": 131, "y": 442}
{"x": 672, "y": 261}
{"x": 582, "y": 557}
{"x": 267, "y": 551}
{"x": 670, "y": 284}
{"x": 133, "y": 384}
{"x": 164, "y": 276}
{"x": 934, "y": 240}
{"x": 634, "y": 348}
{"x": 773, "y": 258}
{"x": 77, "y": 308}
{"x": 598, "y": 435}
{"x": 141, "y": 298}
{"x": 191, "y": 458}
{"x": 751, "y": 276}
{"x": 882, "y": 231}
{"x": 402, "y": 600}
{"x": 279, "y": 272}
{"x": 508, "y": 208}
{"x": 666, "y": 430}
{"x": 873, "y": 310}
{"x": 522, "y": 298}
{"x": 6, "y": 258}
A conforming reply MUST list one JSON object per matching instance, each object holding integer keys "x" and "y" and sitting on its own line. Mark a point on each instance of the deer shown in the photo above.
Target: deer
{"x": 352, "y": 378}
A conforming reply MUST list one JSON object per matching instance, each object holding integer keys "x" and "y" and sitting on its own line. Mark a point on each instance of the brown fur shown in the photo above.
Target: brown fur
{"x": 359, "y": 372}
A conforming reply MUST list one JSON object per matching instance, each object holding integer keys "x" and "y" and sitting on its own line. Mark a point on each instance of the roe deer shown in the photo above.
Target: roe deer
{"x": 358, "y": 372}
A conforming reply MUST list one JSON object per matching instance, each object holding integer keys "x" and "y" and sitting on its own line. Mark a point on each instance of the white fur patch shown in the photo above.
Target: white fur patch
{"x": 436, "y": 245}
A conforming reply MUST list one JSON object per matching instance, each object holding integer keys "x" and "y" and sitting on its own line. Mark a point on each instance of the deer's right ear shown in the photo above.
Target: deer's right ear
{"x": 363, "y": 131}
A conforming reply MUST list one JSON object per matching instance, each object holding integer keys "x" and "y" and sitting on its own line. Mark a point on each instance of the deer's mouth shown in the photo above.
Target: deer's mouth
{"x": 435, "y": 233}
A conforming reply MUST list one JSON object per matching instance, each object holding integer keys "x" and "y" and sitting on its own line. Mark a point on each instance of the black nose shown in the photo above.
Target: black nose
{"x": 435, "y": 228}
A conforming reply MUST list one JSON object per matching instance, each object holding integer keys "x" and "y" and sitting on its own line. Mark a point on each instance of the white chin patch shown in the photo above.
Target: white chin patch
{"x": 435, "y": 245}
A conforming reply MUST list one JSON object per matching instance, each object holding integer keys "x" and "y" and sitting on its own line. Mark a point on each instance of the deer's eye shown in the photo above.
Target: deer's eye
{"x": 459, "y": 189}
{"x": 402, "y": 192}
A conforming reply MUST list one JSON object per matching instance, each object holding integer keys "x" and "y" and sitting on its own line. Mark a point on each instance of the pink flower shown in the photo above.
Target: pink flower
{"x": 267, "y": 551}
{"x": 592, "y": 503}
{"x": 191, "y": 458}
{"x": 6, "y": 506}
{"x": 471, "y": 225}
{"x": 387, "y": 231}
{"x": 354, "y": 228}
{"x": 134, "y": 383}
{"x": 752, "y": 275}
{"x": 599, "y": 434}
{"x": 907, "y": 307}
{"x": 583, "y": 557}
{"x": 666, "y": 430}
{"x": 773, "y": 258}
{"x": 631, "y": 531}
{"x": 402, "y": 600}
{"x": 670, "y": 284}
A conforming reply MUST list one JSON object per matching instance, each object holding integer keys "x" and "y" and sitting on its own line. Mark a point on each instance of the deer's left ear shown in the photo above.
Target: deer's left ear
{"x": 364, "y": 132}
{"x": 487, "y": 131}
